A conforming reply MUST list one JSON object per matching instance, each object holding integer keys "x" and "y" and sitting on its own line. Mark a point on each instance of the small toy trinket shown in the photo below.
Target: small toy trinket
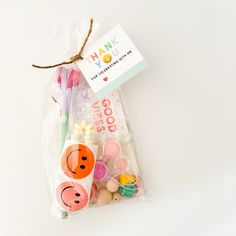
{"x": 128, "y": 190}
{"x": 127, "y": 179}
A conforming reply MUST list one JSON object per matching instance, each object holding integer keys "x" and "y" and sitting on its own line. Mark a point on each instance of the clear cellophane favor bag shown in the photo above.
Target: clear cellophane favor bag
{"x": 87, "y": 146}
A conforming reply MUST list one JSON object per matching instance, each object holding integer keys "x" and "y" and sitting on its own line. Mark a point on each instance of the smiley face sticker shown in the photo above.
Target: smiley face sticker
{"x": 71, "y": 196}
{"x": 77, "y": 161}
{"x": 107, "y": 58}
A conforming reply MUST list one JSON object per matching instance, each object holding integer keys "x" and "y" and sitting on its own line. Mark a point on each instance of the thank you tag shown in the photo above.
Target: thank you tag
{"x": 110, "y": 62}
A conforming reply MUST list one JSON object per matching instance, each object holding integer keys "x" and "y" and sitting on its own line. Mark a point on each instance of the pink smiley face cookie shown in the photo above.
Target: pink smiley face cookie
{"x": 71, "y": 196}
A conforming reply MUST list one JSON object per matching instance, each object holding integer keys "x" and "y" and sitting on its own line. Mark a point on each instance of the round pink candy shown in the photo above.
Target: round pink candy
{"x": 121, "y": 164}
{"x": 71, "y": 196}
{"x": 100, "y": 170}
{"x": 111, "y": 149}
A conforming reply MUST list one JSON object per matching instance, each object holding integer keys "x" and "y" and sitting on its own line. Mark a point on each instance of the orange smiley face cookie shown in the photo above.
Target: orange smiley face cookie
{"x": 77, "y": 161}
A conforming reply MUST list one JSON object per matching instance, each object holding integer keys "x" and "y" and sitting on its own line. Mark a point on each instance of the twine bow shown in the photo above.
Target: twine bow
{"x": 73, "y": 58}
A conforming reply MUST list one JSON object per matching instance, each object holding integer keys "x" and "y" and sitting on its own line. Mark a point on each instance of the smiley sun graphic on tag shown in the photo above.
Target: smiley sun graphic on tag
{"x": 107, "y": 58}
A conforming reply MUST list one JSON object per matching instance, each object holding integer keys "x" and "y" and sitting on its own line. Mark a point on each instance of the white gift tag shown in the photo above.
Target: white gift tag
{"x": 110, "y": 62}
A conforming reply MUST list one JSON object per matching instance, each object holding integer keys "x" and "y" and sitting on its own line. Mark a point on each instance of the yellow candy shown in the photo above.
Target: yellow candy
{"x": 78, "y": 131}
{"x": 127, "y": 179}
{"x": 84, "y": 123}
{"x": 83, "y": 132}
{"x": 90, "y": 127}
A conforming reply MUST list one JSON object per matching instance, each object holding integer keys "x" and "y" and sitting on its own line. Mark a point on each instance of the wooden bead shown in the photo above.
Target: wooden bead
{"x": 112, "y": 185}
{"x": 104, "y": 197}
{"x": 116, "y": 197}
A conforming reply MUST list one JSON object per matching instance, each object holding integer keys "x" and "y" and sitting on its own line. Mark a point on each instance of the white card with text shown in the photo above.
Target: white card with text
{"x": 110, "y": 62}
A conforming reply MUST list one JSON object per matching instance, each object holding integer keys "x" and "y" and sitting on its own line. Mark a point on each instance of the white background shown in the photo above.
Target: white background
{"x": 182, "y": 109}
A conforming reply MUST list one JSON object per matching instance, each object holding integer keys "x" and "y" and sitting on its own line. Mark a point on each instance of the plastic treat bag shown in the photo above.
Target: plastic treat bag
{"x": 87, "y": 145}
